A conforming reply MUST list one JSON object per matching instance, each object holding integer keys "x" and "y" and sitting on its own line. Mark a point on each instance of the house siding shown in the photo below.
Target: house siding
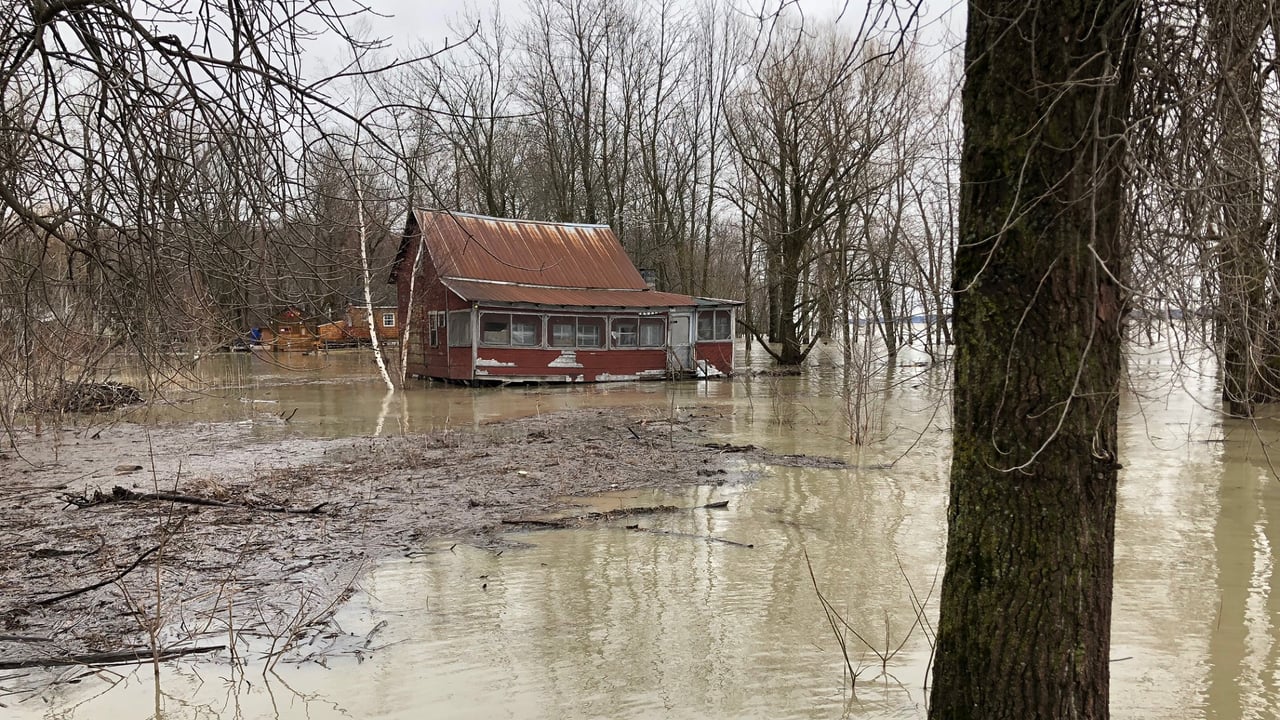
{"x": 718, "y": 354}
{"x": 495, "y": 363}
{"x": 430, "y": 294}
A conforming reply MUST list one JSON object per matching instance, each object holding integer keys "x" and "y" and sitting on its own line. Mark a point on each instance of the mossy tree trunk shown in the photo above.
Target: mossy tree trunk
{"x": 1026, "y": 597}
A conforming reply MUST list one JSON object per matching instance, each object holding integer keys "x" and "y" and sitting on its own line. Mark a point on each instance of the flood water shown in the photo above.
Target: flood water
{"x": 602, "y": 623}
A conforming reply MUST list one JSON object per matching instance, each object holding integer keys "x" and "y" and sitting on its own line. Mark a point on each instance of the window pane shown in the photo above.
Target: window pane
{"x": 624, "y": 333}
{"x": 724, "y": 331}
{"x": 590, "y": 332}
{"x": 389, "y": 320}
{"x": 652, "y": 333}
{"x": 524, "y": 330}
{"x": 706, "y": 329}
{"x": 564, "y": 332}
{"x": 495, "y": 329}
{"x": 459, "y": 329}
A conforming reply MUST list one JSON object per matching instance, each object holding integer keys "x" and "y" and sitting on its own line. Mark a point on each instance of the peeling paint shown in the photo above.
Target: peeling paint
{"x": 608, "y": 377}
{"x": 486, "y": 362}
{"x": 707, "y": 370}
{"x": 481, "y": 372}
{"x": 567, "y": 359}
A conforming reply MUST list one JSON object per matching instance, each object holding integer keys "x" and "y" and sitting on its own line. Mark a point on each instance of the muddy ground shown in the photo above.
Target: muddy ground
{"x": 217, "y": 540}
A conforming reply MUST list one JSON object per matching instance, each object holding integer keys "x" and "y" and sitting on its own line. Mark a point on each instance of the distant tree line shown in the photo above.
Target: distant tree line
{"x": 184, "y": 185}
{"x": 805, "y": 167}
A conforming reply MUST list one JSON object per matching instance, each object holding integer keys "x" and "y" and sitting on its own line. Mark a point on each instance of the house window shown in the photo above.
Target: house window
{"x": 653, "y": 332}
{"x": 388, "y": 319}
{"x": 590, "y": 332}
{"x": 563, "y": 332}
{"x": 433, "y": 329}
{"x": 567, "y": 331}
{"x": 714, "y": 325}
{"x": 460, "y": 329}
{"x": 525, "y": 330}
{"x": 495, "y": 329}
{"x": 724, "y": 326}
{"x": 513, "y": 330}
{"x": 624, "y": 333}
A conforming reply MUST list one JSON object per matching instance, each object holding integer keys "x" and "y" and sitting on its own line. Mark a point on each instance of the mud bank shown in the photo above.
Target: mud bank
{"x": 217, "y": 541}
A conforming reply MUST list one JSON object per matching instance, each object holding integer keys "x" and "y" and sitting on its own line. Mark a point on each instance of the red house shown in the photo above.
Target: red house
{"x": 495, "y": 300}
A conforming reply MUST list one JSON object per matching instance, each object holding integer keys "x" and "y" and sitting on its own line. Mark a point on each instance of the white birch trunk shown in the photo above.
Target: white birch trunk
{"x": 364, "y": 270}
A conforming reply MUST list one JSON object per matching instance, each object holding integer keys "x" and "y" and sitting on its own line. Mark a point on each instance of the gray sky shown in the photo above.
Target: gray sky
{"x": 412, "y": 21}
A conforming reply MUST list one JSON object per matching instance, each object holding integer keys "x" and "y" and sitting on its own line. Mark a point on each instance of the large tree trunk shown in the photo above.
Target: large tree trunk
{"x": 1026, "y": 597}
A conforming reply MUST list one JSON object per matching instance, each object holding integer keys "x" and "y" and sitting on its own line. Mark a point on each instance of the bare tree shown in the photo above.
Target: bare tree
{"x": 799, "y": 151}
{"x": 156, "y": 148}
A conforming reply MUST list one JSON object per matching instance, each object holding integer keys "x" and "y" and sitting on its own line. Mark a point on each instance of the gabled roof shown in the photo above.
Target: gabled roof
{"x": 524, "y": 261}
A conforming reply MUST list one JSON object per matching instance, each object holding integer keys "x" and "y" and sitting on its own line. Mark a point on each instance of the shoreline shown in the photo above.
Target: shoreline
{"x": 219, "y": 538}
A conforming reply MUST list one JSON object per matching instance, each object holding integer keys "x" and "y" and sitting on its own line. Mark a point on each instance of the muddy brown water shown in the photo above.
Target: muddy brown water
{"x": 602, "y": 622}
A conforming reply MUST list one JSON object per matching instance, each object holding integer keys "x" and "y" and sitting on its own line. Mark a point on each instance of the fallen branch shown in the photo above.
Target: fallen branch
{"x": 672, "y": 533}
{"x": 537, "y": 523}
{"x": 728, "y": 448}
{"x": 120, "y": 494}
{"x": 95, "y": 586}
{"x": 608, "y": 515}
{"x": 120, "y": 657}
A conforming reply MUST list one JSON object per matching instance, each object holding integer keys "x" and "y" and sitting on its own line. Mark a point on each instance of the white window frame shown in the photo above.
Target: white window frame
{"x": 619, "y": 330}
{"x": 569, "y": 321}
{"x": 659, "y": 340}
{"x": 513, "y": 337}
{"x": 721, "y": 326}
{"x": 535, "y": 328}
{"x": 597, "y": 323}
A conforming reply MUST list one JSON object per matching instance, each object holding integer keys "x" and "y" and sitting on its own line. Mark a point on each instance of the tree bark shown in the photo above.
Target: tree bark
{"x": 1026, "y": 597}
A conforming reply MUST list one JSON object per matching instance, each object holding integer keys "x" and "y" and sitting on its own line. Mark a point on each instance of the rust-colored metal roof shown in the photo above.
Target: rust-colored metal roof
{"x": 525, "y": 261}
{"x": 473, "y": 247}
{"x": 581, "y": 297}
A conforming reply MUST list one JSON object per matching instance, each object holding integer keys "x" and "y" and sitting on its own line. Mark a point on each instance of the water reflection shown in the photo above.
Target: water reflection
{"x": 616, "y": 623}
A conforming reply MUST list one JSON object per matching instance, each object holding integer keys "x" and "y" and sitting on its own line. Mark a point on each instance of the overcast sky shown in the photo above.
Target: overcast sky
{"x": 408, "y": 22}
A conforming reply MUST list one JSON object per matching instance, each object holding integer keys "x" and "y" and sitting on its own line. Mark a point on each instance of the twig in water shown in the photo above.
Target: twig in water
{"x": 108, "y": 581}
{"x": 106, "y": 658}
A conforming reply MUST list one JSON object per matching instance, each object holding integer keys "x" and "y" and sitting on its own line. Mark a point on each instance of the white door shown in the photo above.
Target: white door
{"x": 680, "y": 340}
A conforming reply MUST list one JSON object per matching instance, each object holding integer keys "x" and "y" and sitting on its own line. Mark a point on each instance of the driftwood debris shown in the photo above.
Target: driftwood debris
{"x": 95, "y": 586}
{"x": 607, "y": 515}
{"x": 729, "y": 448}
{"x": 580, "y": 520}
{"x": 121, "y": 494}
{"x": 119, "y": 657}
{"x": 672, "y": 533}
{"x": 85, "y": 397}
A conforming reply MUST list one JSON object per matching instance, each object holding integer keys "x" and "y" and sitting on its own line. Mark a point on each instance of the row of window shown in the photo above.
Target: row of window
{"x": 558, "y": 331}
{"x": 575, "y": 331}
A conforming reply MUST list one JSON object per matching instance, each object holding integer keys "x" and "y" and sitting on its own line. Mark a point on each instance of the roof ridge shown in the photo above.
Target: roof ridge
{"x": 525, "y": 221}
{"x": 515, "y": 283}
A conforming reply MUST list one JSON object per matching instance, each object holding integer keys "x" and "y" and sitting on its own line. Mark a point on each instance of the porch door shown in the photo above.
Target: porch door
{"x": 680, "y": 342}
